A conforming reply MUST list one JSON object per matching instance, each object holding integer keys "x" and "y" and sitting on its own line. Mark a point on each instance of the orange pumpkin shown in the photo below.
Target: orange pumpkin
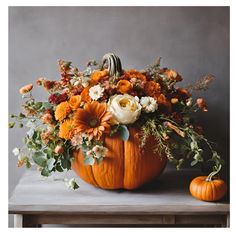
{"x": 125, "y": 165}
{"x": 208, "y": 190}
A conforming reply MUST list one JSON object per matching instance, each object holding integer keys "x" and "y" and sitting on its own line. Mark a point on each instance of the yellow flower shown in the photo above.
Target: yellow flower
{"x": 66, "y": 129}
{"x": 62, "y": 111}
{"x": 75, "y": 102}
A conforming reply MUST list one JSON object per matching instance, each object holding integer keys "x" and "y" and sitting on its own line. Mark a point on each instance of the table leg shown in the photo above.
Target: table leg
{"x": 227, "y": 222}
{"x": 18, "y": 221}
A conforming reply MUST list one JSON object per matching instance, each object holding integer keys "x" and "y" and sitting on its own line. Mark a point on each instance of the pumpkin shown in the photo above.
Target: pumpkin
{"x": 208, "y": 189}
{"x": 125, "y": 165}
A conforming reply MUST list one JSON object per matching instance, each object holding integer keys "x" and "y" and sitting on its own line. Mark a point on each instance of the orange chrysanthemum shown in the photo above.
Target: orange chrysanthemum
{"x": 152, "y": 89}
{"x": 75, "y": 102}
{"x": 66, "y": 129}
{"x": 98, "y": 75}
{"x": 92, "y": 119}
{"x": 62, "y": 111}
{"x": 124, "y": 86}
{"x": 135, "y": 74}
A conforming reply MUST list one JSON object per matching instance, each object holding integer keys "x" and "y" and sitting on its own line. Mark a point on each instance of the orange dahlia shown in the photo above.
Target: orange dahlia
{"x": 66, "y": 129}
{"x": 75, "y": 102}
{"x": 92, "y": 119}
{"x": 62, "y": 111}
{"x": 124, "y": 86}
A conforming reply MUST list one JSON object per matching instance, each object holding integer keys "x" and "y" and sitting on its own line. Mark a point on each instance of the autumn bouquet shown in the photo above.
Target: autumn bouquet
{"x": 113, "y": 126}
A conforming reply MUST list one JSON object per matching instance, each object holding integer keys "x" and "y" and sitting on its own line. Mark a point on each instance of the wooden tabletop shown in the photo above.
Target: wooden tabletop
{"x": 167, "y": 195}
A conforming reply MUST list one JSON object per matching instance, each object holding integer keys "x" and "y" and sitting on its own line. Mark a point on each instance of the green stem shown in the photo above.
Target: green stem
{"x": 213, "y": 173}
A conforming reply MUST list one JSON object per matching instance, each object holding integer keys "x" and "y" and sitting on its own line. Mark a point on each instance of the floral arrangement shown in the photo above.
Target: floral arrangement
{"x": 104, "y": 99}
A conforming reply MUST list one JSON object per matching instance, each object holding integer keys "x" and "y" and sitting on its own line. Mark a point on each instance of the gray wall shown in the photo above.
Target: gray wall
{"x": 192, "y": 40}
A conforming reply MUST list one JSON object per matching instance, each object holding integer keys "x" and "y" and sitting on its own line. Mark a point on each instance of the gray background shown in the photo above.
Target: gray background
{"x": 192, "y": 40}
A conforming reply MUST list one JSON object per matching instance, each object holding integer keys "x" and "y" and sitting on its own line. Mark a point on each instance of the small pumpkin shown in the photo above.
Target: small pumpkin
{"x": 125, "y": 165}
{"x": 208, "y": 189}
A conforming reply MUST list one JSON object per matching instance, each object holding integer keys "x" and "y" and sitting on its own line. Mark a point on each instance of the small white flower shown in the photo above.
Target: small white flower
{"x": 85, "y": 81}
{"x": 72, "y": 184}
{"x": 149, "y": 104}
{"x": 16, "y": 151}
{"x": 96, "y": 92}
{"x": 99, "y": 151}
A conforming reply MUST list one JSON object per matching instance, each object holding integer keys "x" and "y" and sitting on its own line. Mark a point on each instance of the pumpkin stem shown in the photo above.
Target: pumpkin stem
{"x": 213, "y": 173}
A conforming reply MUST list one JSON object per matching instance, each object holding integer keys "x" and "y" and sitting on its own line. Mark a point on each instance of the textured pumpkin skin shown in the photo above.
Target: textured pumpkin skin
{"x": 207, "y": 190}
{"x": 124, "y": 167}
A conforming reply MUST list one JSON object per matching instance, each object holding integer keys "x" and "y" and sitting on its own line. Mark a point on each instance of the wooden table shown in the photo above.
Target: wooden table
{"x": 164, "y": 202}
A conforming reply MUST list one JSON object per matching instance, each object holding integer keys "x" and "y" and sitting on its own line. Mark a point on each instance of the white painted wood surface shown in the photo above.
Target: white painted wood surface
{"x": 168, "y": 196}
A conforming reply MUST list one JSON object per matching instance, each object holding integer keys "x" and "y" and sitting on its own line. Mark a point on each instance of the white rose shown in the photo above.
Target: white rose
{"x": 124, "y": 108}
{"x": 96, "y": 92}
{"x": 149, "y": 104}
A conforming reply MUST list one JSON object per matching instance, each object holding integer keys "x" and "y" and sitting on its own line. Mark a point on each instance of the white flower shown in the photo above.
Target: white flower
{"x": 96, "y": 92}
{"x": 149, "y": 104}
{"x": 71, "y": 184}
{"x": 16, "y": 151}
{"x": 99, "y": 151}
{"x": 124, "y": 108}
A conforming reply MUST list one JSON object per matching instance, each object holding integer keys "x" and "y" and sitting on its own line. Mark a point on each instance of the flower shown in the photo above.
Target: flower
{"x": 92, "y": 119}
{"x": 99, "y": 75}
{"x": 99, "y": 151}
{"x": 75, "y": 102}
{"x": 149, "y": 104}
{"x": 71, "y": 184}
{"x": 16, "y": 151}
{"x": 96, "y": 92}
{"x": 47, "y": 118}
{"x": 57, "y": 98}
{"x": 124, "y": 108}
{"x": 124, "y": 86}
{"x": 62, "y": 111}
{"x": 152, "y": 89}
{"x": 59, "y": 149}
{"x": 202, "y": 104}
{"x": 135, "y": 74}
{"x": 172, "y": 75}
{"x": 66, "y": 129}
{"x": 25, "y": 89}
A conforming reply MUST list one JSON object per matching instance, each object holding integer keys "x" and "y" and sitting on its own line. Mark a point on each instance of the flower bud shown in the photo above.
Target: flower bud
{"x": 59, "y": 149}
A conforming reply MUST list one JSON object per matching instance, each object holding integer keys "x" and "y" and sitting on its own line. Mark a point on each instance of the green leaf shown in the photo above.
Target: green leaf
{"x": 11, "y": 124}
{"x": 46, "y": 105}
{"x": 40, "y": 158}
{"x": 27, "y": 163}
{"x": 45, "y": 172}
{"x": 66, "y": 164}
{"x": 59, "y": 168}
{"x": 89, "y": 161}
{"x": 38, "y": 105}
{"x": 50, "y": 163}
{"x": 123, "y": 132}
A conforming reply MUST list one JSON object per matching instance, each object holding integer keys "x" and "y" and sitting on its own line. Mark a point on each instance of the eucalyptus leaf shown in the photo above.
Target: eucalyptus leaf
{"x": 89, "y": 161}
{"x": 50, "y": 163}
{"x": 123, "y": 132}
{"x": 45, "y": 172}
{"x": 40, "y": 158}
